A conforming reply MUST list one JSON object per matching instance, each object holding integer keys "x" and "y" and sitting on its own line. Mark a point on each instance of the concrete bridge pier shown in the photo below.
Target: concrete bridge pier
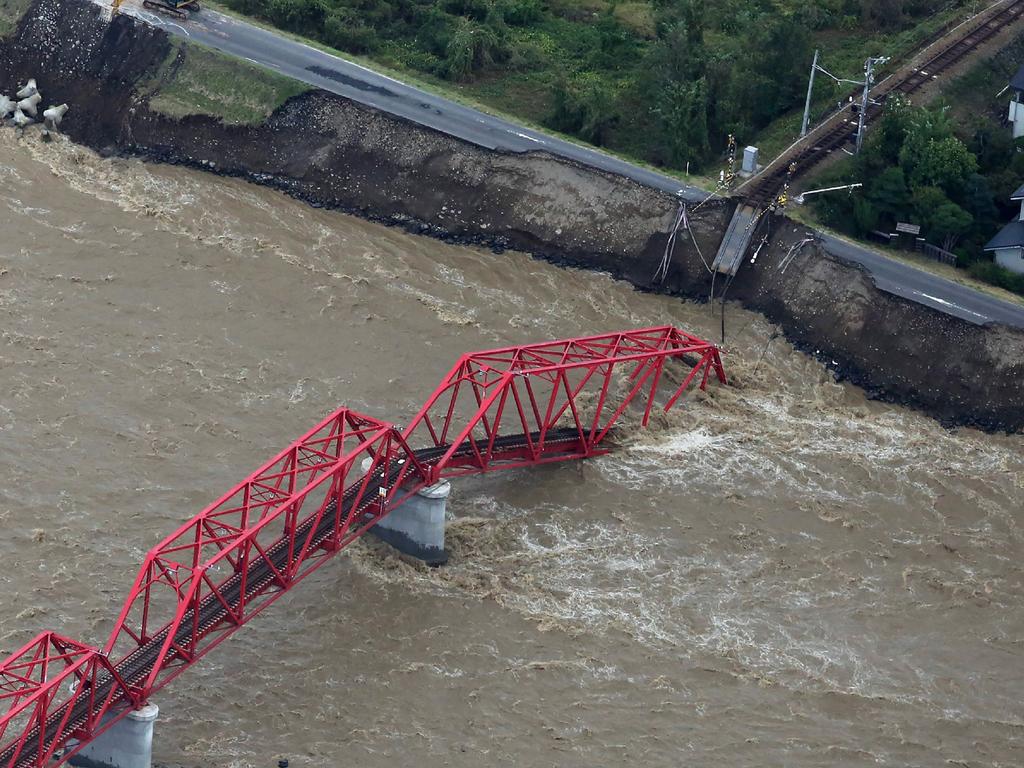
{"x": 128, "y": 744}
{"x": 417, "y": 527}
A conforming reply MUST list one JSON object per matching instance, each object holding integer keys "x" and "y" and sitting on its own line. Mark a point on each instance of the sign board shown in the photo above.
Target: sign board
{"x": 910, "y": 229}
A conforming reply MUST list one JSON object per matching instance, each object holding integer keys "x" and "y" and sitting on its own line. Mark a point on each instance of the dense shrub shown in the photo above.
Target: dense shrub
{"x": 992, "y": 273}
{"x": 916, "y": 168}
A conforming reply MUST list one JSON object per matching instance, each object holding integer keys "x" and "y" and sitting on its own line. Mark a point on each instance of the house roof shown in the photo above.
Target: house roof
{"x": 1017, "y": 81}
{"x": 1019, "y": 194}
{"x": 1010, "y": 236}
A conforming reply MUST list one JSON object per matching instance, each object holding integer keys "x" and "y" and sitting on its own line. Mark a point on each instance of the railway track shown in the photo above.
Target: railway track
{"x": 764, "y": 189}
{"x": 135, "y": 668}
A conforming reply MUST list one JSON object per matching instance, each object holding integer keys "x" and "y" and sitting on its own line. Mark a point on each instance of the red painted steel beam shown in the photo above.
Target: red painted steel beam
{"x": 534, "y": 389}
{"x": 244, "y": 551}
{"x": 50, "y": 693}
{"x": 498, "y": 409}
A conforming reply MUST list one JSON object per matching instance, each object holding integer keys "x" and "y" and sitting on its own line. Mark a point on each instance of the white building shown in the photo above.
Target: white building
{"x": 1008, "y": 245}
{"x": 1016, "y": 115}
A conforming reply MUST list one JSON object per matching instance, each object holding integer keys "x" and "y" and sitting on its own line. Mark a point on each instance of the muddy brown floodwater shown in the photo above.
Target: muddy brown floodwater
{"x": 782, "y": 573}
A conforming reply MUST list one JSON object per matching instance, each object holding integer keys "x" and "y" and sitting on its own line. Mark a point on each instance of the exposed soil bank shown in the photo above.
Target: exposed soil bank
{"x": 896, "y": 349}
{"x": 335, "y": 153}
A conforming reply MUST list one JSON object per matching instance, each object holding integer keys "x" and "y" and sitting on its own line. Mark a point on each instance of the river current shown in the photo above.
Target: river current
{"x": 780, "y": 572}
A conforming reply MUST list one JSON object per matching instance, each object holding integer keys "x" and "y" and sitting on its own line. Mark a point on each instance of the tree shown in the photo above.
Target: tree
{"x": 932, "y": 156}
{"x": 882, "y": 13}
{"x": 979, "y": 202}
{"x": 948, "y": 222}
{"x": 344, "y": 30}
{"x": 675, "y": 90}
{"x": 683, "y": 113}
{"x": 942, "y": 219}
{"x": 942, "y": 162}
{"x": 586, "y": 106}
{"x": 472, "y": 47}
{"x": 865, "y": 215}
{"x": 885, "y": 142}
{"x": 889, "y": 194}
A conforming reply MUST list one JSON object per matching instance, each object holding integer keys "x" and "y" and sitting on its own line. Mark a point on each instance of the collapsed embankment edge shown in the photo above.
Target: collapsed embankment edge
{"x": 334, "y": 153}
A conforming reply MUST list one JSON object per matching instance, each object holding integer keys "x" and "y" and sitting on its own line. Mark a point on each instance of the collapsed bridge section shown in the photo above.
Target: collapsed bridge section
{"x": 498, "y": 409}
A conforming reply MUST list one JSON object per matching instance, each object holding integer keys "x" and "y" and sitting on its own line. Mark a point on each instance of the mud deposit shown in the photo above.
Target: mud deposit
{"x": 780, "y": 573}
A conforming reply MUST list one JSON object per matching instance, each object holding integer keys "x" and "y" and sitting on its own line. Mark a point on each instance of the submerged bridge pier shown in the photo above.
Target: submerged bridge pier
{"x": 499, "y": 409}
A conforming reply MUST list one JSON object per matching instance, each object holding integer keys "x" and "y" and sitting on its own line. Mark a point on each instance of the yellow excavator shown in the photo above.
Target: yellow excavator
{"x": 179, "y": 9}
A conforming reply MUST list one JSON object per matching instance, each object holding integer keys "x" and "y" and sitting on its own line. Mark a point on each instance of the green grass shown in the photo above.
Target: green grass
{"x": 11, "y": 12}
{"x": 194, "y": 80}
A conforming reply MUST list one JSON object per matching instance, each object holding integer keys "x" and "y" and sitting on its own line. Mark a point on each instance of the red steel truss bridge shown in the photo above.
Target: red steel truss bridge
{"x": 499, "y": 409}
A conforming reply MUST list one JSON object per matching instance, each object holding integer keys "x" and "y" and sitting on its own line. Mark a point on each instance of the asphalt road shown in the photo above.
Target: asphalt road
{"x": 345, "y": 78}
{"x": 331, "y": 73}
{"x": 927, "y": 288}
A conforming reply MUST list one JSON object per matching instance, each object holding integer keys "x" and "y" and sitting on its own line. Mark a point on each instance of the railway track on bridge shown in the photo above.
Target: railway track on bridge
{"x": 259, "y": 577}
{"x": 764, "y": 189}
{"x": 497, "y": 409}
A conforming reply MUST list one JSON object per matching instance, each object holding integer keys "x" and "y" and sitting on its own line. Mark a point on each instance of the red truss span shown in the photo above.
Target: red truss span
{"x": 498, "y": 409}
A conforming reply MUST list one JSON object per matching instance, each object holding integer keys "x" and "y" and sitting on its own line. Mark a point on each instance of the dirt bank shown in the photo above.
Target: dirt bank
{"x": 895, "y": 349}
{"x": 335, "y": 153}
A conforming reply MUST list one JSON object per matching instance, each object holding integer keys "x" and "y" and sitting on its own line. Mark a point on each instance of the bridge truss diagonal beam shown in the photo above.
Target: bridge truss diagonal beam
{"x": 496, "y": 409}
{"x": 240, "y": 554}
{"x": 563, "y": 397}
{"x": 54, "y": 689}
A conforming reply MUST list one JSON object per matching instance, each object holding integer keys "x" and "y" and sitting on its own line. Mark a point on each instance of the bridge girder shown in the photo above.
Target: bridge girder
{"x": 497, "y": 409}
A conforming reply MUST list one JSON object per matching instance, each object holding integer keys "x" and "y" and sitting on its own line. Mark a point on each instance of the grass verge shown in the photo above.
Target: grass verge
{"x": 195, "y": 80}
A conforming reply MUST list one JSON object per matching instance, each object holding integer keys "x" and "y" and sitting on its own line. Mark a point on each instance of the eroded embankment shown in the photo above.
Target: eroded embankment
{"x": 895, "y": 349}
{"x": 335, "y": 153}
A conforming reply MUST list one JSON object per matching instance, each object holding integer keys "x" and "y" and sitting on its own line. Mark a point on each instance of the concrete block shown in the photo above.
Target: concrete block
{"x": 416, "y": 528}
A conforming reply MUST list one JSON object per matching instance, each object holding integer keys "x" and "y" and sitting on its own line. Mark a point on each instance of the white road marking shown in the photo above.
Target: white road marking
{"x": 950, "y": 304}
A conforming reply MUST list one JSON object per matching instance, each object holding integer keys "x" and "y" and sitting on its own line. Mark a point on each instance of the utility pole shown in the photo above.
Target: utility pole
{"x": 869, "y": 80}
{"x": 810, "y": 89}
{"x": 815, "y": 68}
